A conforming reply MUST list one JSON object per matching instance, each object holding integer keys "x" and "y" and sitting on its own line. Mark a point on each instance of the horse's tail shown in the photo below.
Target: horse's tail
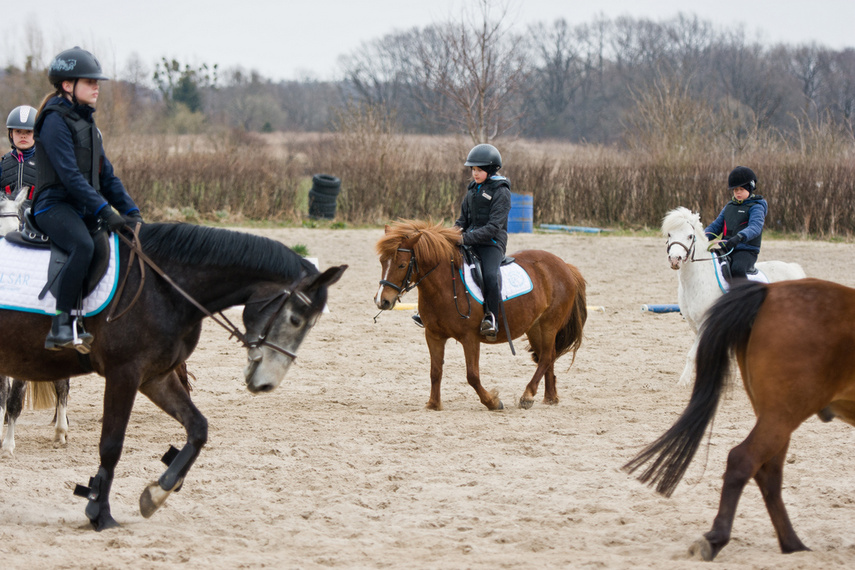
{"x": 727, "y": 327}
{"x": 40, "y": 396}
{"x": 569, "y": 338}
{"x": 184, "y": 376}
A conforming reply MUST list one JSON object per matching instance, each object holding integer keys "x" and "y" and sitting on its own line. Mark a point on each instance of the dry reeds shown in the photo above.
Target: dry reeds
{"x": 386, "y": 176}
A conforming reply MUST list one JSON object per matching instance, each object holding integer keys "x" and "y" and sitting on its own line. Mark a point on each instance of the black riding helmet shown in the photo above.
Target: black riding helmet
{"x": 74, "y": 63}
{"x": 23, "y": 118}
{"x": 742, "y": 176}
{"x": 484, "y": 156}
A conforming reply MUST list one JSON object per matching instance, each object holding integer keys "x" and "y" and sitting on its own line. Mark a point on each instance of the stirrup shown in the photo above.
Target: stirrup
{"x": 417, "y": 319}
{"x": 488, "y": 326}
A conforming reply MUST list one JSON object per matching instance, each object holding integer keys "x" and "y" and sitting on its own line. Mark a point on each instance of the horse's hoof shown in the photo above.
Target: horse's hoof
{"x": 107, "y": 523}
{"x": 701, "y": 549}
{"x": 151, "y": 499}
{"x": 501, "y": 406}
{"x": 526, "y": 404}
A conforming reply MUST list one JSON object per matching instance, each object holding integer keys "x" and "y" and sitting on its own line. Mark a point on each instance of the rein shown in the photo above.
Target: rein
{"x": 690, "y": 251}
{"x": 260, "y": 340}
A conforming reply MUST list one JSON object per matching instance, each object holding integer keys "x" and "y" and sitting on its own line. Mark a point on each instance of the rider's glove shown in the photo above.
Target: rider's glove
{"x": 733, "y": 242}
{"x": 134, "y": 218}
{"x": 112, "y": 219}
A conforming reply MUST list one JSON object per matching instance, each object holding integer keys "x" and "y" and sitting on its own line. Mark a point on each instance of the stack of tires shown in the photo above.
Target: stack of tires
{"x": 323, "y": 195}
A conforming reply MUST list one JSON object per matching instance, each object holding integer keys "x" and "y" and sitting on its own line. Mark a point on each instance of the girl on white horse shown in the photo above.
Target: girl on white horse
{"x": 18, "y": 166}
{"x": 740, "y": 223}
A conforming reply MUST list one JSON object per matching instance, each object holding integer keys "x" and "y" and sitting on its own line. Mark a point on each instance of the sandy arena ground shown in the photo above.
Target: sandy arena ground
{"x": 342, "y": 466}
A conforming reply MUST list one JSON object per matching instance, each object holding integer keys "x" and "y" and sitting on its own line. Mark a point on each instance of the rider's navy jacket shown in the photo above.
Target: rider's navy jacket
{"x": 54, "y": 138}
{"x": 745, "y": 218}
{"x": 484, "y": 212}
{"x": 18, "y": 170}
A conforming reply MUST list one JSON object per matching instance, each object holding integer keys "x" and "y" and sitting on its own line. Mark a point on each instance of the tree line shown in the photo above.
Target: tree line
{"x": 606, "y": 81}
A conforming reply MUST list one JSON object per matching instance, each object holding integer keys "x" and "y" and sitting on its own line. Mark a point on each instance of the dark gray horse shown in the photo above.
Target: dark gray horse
{"x": 202, "y": 271}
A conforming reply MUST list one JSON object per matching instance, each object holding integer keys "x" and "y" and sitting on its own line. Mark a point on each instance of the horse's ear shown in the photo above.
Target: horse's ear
{"x": 325, "y": 279}
{"x": 388, "y": 229}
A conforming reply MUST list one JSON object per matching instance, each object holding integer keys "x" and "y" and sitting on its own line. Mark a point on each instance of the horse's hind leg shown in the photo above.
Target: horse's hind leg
{"x": 14, "y": 405}
{"x": 61, "y": 415}
{"x": 550, "y": 388}
{"x": 171, "y": 395}
{"x": 544, "y": 355}
{"x": 764, "y": 444}
{"x": 4, "y": 397}
{"x": 770, "y": 479}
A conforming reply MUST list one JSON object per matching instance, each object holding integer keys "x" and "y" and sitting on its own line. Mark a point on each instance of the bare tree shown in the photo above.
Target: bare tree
{"x": 482, "y": 75}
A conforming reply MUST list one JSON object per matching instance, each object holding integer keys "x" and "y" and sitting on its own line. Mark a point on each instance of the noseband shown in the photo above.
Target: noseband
{"x": 690, "y": 249}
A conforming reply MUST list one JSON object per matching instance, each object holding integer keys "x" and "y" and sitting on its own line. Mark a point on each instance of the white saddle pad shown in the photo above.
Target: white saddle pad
{"x": 23, "y": 274}
{"x": 515, "y": 282}
{"x": 760, "y": 277}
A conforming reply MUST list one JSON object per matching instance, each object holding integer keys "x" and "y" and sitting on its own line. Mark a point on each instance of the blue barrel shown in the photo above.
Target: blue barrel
{"x": 520, "y": 216}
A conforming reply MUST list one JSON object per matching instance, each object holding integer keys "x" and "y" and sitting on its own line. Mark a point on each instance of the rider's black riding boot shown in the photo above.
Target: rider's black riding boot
{"x": 417, "y": 318}
{"x": 61, "y": 335}
{"x": 488, "y": 326}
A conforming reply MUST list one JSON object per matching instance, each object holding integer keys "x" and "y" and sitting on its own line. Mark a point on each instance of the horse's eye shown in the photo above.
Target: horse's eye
{"x": 403, "y": 265}
{"x": 296, "y": 321}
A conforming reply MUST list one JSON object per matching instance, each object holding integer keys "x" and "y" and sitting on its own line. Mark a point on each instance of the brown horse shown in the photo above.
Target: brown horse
{"x": 795, "y": 347}
{"x": 419, "y": 254}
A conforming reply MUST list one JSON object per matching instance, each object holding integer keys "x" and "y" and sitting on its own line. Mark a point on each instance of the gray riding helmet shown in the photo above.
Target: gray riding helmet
{"x": 22, "y": 117}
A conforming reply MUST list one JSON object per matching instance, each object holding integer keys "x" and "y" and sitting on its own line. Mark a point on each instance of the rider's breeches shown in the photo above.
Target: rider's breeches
{"x": 68, "y": 231}
{"x": 491, "y": 259}
{"x": 741, "y": 262}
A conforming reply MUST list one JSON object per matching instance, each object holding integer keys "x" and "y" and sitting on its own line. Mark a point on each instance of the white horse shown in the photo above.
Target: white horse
{"x": 42, "y": 395}
{"x": 698, "y": 285}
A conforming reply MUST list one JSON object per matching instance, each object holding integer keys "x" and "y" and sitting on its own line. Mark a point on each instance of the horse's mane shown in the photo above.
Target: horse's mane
{"x": 199, "y": 245}
{"x": 437, "y": 243}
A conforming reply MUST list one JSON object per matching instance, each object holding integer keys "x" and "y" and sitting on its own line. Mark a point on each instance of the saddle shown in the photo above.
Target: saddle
{"x": 31, "y": 236}
{"x": 723, "y": 262}
{"x": 473, "y": 260}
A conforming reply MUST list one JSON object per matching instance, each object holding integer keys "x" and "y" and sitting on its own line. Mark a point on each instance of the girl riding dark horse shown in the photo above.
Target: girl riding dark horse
{"x": 201, "y": 271}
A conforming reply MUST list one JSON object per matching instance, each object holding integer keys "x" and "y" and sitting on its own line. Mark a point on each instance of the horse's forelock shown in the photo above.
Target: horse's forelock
{"x": 677, "y": 217}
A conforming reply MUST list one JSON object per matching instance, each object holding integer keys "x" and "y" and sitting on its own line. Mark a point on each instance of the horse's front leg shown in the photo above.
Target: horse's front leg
{"x": 689, "y": 368}
{"x": 171, "y": 394}
{"x": 472, "y": 353}
{"x": 436, "y": 347}
{"x": 119, "y": 393}
{"x": 61, "y": 415}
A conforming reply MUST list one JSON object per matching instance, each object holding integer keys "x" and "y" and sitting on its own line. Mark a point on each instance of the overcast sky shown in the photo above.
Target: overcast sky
{"x": 290, "y": 39}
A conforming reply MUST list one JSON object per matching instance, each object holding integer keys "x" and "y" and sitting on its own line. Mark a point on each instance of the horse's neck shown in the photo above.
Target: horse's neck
{"x": 439, "y": 278}
{"x": 699, "y": 287}
{"x": 215, "y": 288}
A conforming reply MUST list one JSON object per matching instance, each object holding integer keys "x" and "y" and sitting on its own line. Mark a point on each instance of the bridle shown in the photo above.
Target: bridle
{"x": 249, "y": 343}
{"x": 689, "y": 249}
{"x": 412, "y": 268}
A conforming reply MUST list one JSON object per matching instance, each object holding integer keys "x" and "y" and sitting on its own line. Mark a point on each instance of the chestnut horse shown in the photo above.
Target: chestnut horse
{"x": 419, "y": 254}
{"x": 795, "y": 347}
